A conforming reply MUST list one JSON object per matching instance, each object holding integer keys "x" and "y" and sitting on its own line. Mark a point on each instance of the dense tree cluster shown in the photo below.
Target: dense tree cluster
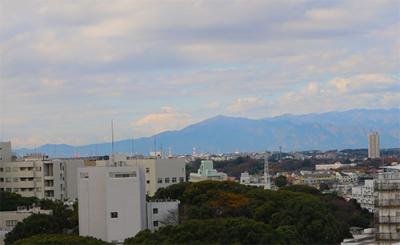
{"x": 298, "y": 214}
{"x": 59, "y": 239}
{"x": 62, "y": 219}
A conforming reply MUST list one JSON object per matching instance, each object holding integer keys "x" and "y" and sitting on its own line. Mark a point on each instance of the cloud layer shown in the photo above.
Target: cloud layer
{"x": 68, "y": 67}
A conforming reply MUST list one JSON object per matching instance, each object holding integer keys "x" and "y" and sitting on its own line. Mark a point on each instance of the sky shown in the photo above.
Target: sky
{"x": 67, "y": 68}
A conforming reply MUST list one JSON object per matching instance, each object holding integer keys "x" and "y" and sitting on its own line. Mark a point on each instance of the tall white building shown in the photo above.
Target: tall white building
{"x": 387, "y": 186}
{"x": 373, "y": 145}
{"x": 112, "y": 202}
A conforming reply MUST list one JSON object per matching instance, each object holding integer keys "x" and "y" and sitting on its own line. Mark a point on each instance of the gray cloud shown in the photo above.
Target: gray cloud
{"x": 68, "y": 67}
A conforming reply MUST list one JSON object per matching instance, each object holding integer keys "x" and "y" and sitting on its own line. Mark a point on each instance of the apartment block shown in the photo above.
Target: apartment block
{"x": 364, "y": 195}
{"x": 387, "y": 187}
{"x": 35, "y": 176}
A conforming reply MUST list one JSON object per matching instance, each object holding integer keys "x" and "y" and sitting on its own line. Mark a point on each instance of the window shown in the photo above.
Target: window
{"x": 155, "y": 210}
{"x": 8, "y": 169}
{"x": 8, "y": 179}
{"x": 38, "y": 168}
{"x": 15, "y": 179}
{"x": 114, "y": 215}
{"x": 1, "y": 169}
{"x": 159, "y": 180}
{"x": 173, "y": 179}
{"x": 11, "y": 223}
{"x": 147, "y": 170}
{"x": 166, "y": 180}
{"x": 15, "y": 169}
{"x": 122, "y": 174}
{"x": 148, "y": 181}
{"x": 181, "y": 179}
{"x": 15, "y": 189}
{"x": 38, "y": 189}
{"x": 8, "y": 189}
{"x": 84, "y": 175}
{"x": 155, "y": 223}
{"x": 1, "y": 179}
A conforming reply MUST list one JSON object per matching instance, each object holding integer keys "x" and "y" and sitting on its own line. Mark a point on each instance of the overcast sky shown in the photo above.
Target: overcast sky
{"x": 68, "y": 67}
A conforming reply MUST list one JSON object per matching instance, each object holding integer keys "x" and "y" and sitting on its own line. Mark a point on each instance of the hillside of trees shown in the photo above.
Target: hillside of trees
{"x": 227, "y": 212}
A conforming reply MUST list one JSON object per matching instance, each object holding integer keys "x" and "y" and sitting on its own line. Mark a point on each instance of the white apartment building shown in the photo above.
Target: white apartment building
{"x": 206, "y": 171}
{"x": 162, "y": 212}
{"x": 346, "y": 177}
{"x": 112, "y": 202}
{"x": 159, "y": 172}
{"x": 387, "y": 187}
{"x": 364, "y": 195}
{"x": 373, "y": 145}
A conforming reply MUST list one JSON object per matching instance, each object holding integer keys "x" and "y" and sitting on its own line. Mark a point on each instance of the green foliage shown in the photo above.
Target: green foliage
{"x": 295, "y": 214}
{"x": 34, "y": 224}
{"x": 9, "y": 201}
{"x": 62, "y": 219}
{"x": 281, "y": 181}
{"x": 59, "y": 239}
{"x": 214, "y": 231}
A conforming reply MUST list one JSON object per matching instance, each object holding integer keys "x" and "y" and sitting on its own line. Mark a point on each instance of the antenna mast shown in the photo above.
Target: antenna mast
{"x": 112, "y": 141}
{"x": 267, "y": 184}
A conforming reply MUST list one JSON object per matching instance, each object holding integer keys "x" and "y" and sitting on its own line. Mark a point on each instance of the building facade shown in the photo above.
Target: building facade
{"x": 112, "y": 202}
{"x": 162, "y": 212}
{"x": 373, "y": 145}
{"x": 364, "y": 195}
{"x": 159, "y": 172}
{"x": 206, "y": 171}
{"x": 387, "y": 187}
{"x": 35, "y": 176}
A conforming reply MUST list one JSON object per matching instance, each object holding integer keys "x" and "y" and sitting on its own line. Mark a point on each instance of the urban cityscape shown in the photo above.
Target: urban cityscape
{"x": 199, "y": 122}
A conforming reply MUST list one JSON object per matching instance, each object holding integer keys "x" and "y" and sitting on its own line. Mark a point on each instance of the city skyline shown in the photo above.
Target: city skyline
{"x": 68, "y": 68}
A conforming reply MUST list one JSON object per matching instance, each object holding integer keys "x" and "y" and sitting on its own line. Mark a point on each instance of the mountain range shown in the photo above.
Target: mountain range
{"x": 322, "y": 131}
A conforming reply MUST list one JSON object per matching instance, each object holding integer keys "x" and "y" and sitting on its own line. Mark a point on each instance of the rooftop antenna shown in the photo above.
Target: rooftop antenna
{"x": 169, "y": 152}
{"x": 267, "y": 180}
{"x": 112, "y": 141}
{"x": 161, "y": 151}
{"x": 155, "y": 145}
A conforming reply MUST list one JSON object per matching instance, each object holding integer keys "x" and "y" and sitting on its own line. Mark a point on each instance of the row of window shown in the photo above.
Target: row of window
{"x": 21, "y": 169}
{"x": 20, "y": 189}
{"x": 23, "y": 179}
{"x": 167, "y": 180}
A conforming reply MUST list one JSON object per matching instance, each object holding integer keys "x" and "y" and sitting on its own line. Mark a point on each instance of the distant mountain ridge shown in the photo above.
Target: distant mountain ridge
{"x": 321, "y": 131}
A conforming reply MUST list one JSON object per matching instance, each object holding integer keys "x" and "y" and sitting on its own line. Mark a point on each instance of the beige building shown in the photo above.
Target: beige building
{"x": 387, "y": 187}
{"x": 373, "y": 145}
{"x": 159, "y": 172}
{"x": 35, "y": 176}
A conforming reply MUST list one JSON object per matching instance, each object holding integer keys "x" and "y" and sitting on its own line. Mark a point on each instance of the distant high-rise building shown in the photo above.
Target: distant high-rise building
{"x": 373, "y": 145}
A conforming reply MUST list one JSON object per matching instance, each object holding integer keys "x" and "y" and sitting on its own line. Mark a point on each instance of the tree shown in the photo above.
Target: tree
{"x": 59, "y": 239}
{"x": 34, "y": 224}
{"x": 281, "y": 181}
{"x": 9, "y": 201}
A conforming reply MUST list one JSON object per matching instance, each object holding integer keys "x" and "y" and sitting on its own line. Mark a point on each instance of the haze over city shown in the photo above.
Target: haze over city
{"x": 68, "y": 67}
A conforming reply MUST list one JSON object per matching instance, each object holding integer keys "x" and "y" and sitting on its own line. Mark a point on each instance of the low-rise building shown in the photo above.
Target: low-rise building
{"x": 206, "y": 171}
{"x": 162, "y": 212}
{"x": 252, "y": 180}
{"x": 364, "y": 195}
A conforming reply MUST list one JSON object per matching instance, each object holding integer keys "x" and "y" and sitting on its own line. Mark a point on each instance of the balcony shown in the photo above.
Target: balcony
{"x": 387, "y": 236}
{"x": 389, "y": 220}
{"x": 387, "y": 186}
{"x": 387, "y": 203}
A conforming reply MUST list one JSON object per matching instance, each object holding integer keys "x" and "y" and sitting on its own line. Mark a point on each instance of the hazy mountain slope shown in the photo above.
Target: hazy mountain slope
{"x": 331, "y": 130}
